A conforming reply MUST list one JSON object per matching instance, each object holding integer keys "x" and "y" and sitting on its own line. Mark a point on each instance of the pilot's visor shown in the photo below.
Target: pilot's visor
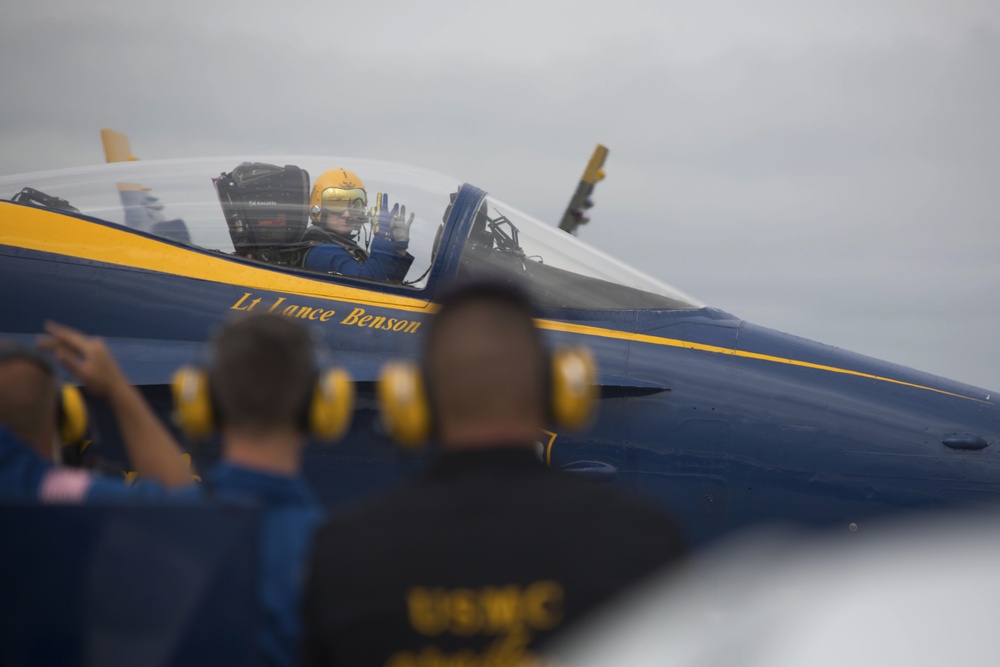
{"x": 339, "y": 200}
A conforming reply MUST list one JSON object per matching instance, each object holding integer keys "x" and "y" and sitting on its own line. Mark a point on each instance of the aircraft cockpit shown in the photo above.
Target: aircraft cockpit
{"x": 560, "y": 270}
{"x": 329, "y": 218}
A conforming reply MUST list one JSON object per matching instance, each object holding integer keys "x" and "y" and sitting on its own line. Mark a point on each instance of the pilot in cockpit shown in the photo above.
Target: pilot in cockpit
{"x": 338, "y": 213}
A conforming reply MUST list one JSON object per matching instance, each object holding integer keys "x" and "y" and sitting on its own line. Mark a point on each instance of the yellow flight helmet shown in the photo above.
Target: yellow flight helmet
{"x": 336, "y": 191}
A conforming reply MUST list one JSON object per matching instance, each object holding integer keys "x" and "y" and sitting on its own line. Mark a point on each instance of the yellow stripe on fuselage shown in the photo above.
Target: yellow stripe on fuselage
{"x": 672, "y": 342}
{"x": 45, "y": 231}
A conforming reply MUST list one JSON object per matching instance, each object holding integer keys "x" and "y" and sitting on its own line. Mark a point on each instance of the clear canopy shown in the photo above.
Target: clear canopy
{"x": 262, "y": 209}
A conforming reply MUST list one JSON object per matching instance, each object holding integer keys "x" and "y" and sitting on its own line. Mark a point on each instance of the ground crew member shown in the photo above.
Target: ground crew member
{"x": 489, "y": 553}
{"x": 262, "y": 385}
{"x": 33, "y": 407}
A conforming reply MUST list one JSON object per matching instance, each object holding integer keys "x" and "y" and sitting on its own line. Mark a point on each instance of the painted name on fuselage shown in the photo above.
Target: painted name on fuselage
{"x": 357, "y": 317}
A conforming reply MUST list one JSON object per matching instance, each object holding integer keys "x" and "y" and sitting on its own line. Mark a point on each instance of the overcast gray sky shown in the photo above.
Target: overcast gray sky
{"x": 829, "y": 169}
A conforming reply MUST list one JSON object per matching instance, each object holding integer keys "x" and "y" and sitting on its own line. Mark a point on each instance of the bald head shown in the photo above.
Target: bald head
{"x": 485, "y": 370}
{"x": 28, "y": 397}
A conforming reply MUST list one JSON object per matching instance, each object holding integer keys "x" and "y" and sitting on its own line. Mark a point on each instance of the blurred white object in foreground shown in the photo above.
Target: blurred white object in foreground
{"x": 885, "y": 595}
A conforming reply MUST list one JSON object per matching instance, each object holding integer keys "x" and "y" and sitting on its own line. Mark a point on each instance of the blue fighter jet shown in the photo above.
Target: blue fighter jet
{"x": 724, "y": 422}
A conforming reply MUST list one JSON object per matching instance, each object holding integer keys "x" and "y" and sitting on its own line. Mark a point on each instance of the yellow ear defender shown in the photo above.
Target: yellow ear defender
{"x": 71, "y": 409}
{"x": 72, "y": 415}
{"x": 331, "y": 404}
{"x": 329, "y": 411}
{"x": 408, "y": 418}
{"x": 573, "y": 387}
{"x": 403, "y": 402}
{"x": 193, "y": 410}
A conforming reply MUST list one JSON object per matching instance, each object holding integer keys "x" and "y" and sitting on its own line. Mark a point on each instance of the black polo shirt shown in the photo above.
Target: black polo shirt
{"x": 478, "y": 561}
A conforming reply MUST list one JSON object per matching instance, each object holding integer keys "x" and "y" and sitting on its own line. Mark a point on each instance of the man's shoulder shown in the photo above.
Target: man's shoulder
{"x": 112, "y": 488}
{"x": 227, "y": 481}
{"x": 327, "y": 245}
{"x": 532, "y": 496}
{"x": 386, "y": 507}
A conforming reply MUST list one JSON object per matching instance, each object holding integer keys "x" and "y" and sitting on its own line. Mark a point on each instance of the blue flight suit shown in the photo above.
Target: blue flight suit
{"x": 337, "y": 254}
{"x": 290, "y": 515}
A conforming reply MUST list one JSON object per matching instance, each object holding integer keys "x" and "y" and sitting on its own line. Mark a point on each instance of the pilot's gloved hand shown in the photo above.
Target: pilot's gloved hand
{"x": 390, "y": 224}
{"x": 381, "y": 217}
{"x": 401, "y": 226}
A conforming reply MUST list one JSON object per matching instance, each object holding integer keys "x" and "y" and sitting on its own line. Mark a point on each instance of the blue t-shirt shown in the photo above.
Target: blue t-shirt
{"x": 290, "y": 514}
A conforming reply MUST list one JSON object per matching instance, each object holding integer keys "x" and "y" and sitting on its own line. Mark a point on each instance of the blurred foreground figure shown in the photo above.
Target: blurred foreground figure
{"x": 489, "y": 553}
{"x": 261, "y": 387}
{"x": 264, "y": 389}
{"x": 40, "y": 416}
{"x": 29, "y": 399}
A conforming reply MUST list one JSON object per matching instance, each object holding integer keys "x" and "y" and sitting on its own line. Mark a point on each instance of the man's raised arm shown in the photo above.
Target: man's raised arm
{"x": 151, "y": 448}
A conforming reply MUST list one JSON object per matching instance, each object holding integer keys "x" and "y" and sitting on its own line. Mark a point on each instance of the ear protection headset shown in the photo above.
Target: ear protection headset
{"x": 71, "y": 409}
{"x": 570, "y": 380}
{"x": 325, "y": 415}
{"x": 408, "y": 415}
